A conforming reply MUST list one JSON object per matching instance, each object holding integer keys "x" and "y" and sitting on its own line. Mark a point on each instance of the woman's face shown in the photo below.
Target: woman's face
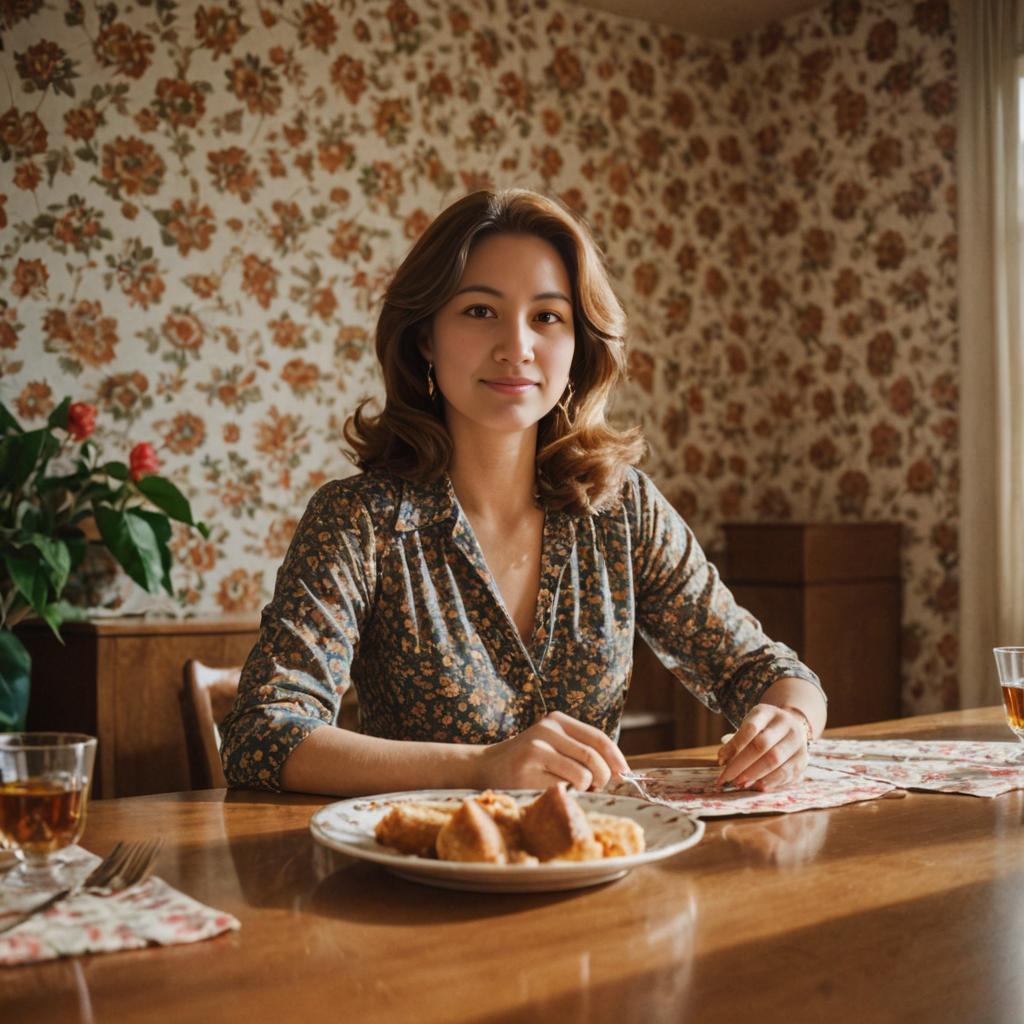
{"x": 502, "y": 345}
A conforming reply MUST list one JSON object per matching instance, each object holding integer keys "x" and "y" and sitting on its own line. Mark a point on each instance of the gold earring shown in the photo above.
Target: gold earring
{"x": 570, "y": 394}
{"x": 431, "y": 387}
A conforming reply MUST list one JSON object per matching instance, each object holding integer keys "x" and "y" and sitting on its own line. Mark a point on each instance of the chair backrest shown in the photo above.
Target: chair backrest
{"x": 209, "y": 695}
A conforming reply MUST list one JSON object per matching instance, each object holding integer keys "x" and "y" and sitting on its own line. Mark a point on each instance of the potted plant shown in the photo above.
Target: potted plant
{"x": 53, "y": 481}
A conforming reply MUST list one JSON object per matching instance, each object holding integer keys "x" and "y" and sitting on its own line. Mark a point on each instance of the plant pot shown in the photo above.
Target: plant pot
{"x": 99, "y": 587}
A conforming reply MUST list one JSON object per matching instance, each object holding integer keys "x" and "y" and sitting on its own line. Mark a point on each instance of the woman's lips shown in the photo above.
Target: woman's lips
{"x": 511, "y": 385}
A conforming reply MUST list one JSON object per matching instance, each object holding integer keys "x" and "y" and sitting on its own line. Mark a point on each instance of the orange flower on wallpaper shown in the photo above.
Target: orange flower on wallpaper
{"x": 391, "y": 119}
{"x": 140, "y": 281}
{"x": 259, "y": 279}
{"x": 287, "y": 333}
{"x": 317, "y": 27}
{"x": 83, "y": 332}
{"x": 349, "y": 76}
{"x": 280, "y": 436}
{"x": 130, "y": 53}
{"x": 279, "y": 536}
{"x": 30, "y": 277}
{"x": 180, "y": 103}
{"x": 35, "y": 400}
{"x": 45, "y": 64}
{"x": 183, "y": 331}
{"x": 186, "y": 433}
{"x": 240, "y": 591}
{"x": 21, "y": 135}
{"x": 258, "y": 86}
{"x": 565, "y": 70}
{"x": 335, "y": 155}
{"x": 124, "y": 394}
{"x": 27, "y": 176}
{"x": 188, "y": 225}
{"x": 202, "y": 556}
{"x": 300, "y": 376}
{"x": 231, "y": 171}
{"x": 217, "y": 29}
{"x": 402, "y": 18}
{"x": 81, "y": 122}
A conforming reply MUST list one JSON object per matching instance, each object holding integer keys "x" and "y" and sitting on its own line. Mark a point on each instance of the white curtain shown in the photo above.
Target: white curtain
{"x": 989, "y": 39}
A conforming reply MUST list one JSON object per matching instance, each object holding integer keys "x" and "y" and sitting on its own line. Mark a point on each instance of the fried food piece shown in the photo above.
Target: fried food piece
{"x": 555, "y": 828}
{"x": 472, "y": 835}
{"x": 507, "y": 815}
{"x": 413, "y": 826}
{"x": 619, "y": 837}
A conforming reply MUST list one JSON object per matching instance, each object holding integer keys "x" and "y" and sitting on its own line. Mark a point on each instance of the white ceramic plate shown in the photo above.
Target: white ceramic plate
{"x": 348, "y": 826}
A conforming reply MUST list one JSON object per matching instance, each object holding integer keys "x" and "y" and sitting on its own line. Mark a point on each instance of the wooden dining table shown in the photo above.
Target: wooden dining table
{"x": 907, "y": 909}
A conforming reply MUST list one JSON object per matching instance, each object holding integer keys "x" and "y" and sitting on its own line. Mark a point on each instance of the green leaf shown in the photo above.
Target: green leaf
{"x": 59, "y": 416}
{"x": 30, "y": 577}
{"x": 56, "y": 559}
{"x": 8, "y": 422}
{"x": 76, "y": 544}
{"x": 166, "y": 497}
{"x": 28, "y": 517}
{"x": 162, "y": 530}
{"x": 133, "y": 543}
{"x": 19, "y": 455}
{"x": 69, "y": 481}
{"x": 118, "y": 470}
{"x": 15, "y": 672}
{"x": 97, "y": 492}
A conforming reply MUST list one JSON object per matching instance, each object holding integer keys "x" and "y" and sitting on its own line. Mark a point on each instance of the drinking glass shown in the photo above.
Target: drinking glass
{"x": 1010, "y": 665}
{"x": 44, "y": 789}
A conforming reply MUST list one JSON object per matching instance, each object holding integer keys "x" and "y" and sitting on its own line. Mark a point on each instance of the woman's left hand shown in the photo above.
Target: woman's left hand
{"x": 768, "y": 751}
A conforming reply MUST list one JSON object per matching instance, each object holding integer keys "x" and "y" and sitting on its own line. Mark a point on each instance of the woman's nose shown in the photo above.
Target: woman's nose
{"x": 516, "y": 342}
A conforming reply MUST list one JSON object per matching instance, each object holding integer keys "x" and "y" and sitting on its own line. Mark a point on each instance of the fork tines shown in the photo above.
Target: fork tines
{"x": 126, "y": 864}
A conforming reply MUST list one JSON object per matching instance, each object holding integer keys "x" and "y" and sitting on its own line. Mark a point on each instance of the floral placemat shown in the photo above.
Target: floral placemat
{"x": 944, "y": 766}
{"x": 694, "y": 791}
{"x": 153, "y": 913}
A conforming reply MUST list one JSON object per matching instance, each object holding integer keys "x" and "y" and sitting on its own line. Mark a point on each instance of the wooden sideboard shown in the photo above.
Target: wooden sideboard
{"x": 121, "y": 681}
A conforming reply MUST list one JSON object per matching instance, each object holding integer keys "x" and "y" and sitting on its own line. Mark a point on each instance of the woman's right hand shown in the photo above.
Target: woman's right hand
{"x": 558, "y": 748}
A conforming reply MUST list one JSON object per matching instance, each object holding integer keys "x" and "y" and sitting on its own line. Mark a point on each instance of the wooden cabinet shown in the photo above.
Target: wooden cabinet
{"x": 833, "y": 593}
{"x": 121, "y": 681}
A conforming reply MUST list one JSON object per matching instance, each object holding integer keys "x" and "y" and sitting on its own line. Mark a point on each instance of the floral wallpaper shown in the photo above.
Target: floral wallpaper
{"x": 201, "y": 202}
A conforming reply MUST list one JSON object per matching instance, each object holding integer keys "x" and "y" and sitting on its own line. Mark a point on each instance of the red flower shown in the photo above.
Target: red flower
{"x": 143, "y": 460}
{"x": 81, "y": 420}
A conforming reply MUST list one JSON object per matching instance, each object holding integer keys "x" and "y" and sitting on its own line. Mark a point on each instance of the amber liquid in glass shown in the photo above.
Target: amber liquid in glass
{"x": 1013, "y": 701}
{"x": 41, "y": 816}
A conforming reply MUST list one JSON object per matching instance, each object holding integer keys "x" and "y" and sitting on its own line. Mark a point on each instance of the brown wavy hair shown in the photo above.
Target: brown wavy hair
{"x": 581, "y": 459}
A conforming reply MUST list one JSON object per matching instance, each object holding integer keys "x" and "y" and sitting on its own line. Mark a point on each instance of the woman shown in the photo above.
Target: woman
{"x": 481, "y": 581}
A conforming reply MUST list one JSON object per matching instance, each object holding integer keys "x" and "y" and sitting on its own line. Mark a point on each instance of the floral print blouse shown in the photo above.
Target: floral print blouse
{"x": 385, "y": 587}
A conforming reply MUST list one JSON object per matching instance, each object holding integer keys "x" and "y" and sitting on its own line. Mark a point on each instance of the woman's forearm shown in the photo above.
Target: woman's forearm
{"x": 791, "y": 692}
{"x": 346, "y": 763}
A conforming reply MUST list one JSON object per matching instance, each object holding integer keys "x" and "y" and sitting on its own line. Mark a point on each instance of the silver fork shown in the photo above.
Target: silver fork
{"x": 126, "y": 865}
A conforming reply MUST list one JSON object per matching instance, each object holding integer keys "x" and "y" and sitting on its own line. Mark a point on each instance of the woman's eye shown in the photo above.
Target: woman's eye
{"x": 555, "y": 318}
{"x": 478, "y": 312}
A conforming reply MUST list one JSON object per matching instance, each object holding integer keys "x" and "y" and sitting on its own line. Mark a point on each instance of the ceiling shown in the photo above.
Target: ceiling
{"x": 720, "y": 19}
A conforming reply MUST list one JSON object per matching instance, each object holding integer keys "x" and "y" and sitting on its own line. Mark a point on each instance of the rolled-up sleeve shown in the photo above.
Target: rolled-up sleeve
{"x": 691, "y": 620}
{"x": 298, "y": 671}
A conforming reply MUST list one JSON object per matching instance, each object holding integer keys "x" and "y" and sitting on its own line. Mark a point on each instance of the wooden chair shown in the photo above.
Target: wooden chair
{"x": 209, "y": 694}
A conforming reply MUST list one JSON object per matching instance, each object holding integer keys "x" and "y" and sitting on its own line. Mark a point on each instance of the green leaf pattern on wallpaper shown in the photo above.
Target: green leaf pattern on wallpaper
{"x": 201, "y": 205}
